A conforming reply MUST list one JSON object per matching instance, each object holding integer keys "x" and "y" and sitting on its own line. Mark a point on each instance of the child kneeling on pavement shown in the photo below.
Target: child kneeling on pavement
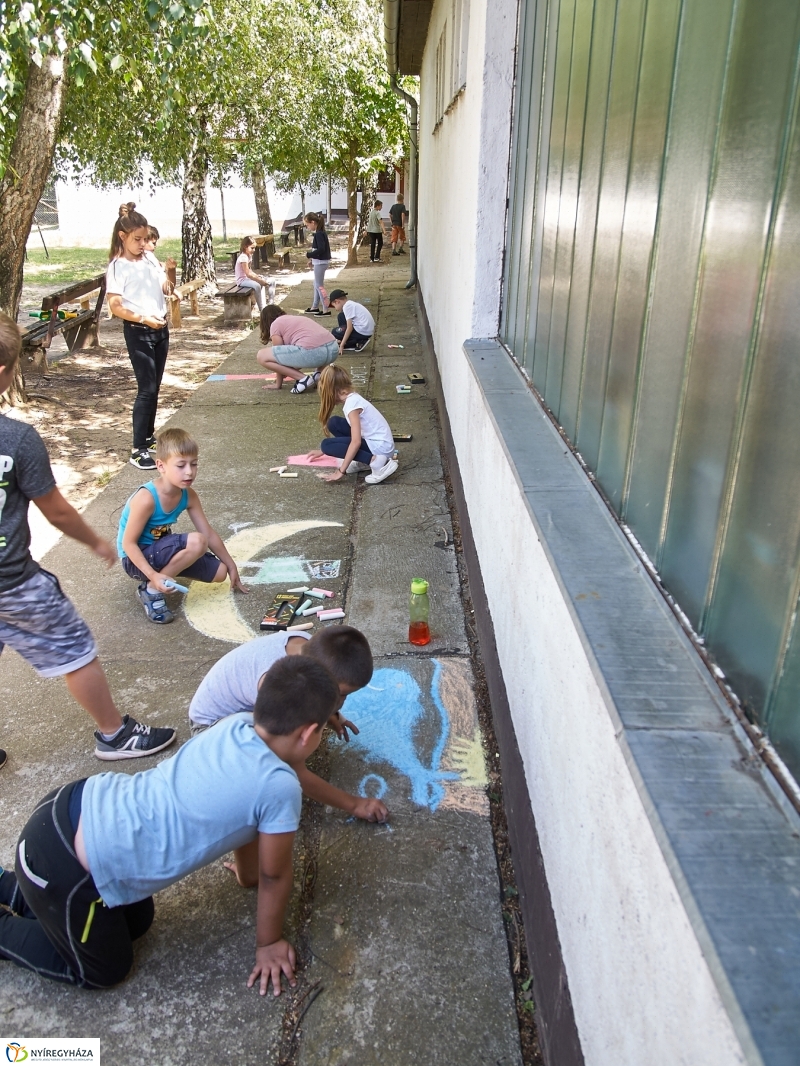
{"x": 149, "y": 549}
{"x": 94, "y": 852}
{"x": 233, "y": 683}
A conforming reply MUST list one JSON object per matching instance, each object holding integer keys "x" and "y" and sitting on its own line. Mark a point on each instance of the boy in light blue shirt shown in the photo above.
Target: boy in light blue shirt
{"x": 94, "y": 851}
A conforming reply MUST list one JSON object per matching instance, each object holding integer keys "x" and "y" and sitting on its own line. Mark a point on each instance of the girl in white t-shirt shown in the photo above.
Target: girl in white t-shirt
{"x": 362, "y": 439}
{"x": 136, "y": 285}
{"x": 247, "y": 278}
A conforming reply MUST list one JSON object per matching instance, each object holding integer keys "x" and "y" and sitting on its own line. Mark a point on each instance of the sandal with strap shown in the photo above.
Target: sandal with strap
{"x": 303, "y": 384}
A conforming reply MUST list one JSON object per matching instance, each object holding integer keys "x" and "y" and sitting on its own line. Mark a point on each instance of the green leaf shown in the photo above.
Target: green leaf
{"x": 116, "y": 62}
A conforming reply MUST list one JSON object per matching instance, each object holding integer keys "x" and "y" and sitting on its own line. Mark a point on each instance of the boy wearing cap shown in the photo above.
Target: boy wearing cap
{"x": 356, "y": 324}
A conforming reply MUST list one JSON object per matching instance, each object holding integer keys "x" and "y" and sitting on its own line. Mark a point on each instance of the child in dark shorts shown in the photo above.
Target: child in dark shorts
{"x": 30, "y": 597}
{"x": 150, "y": 551}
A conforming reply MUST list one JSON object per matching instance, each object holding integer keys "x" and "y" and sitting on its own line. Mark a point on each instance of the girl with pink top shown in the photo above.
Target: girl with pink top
{"x": 295, "y": 344}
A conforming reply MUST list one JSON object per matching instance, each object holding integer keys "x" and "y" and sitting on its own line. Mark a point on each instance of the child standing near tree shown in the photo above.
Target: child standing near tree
{"x": 362, "y": 439}
{"x": 375, "y": 231}
{"x": 136, "y": 285}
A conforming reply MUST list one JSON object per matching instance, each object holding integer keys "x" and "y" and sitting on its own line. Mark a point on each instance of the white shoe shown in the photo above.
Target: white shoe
{"x": 355, "y": 467}
{"x": 385, "y": 471}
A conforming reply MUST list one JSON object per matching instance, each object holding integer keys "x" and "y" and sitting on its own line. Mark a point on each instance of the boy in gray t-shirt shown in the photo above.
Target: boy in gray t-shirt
{"x": 31, "y": 597}
{"x": 233, "y": 683}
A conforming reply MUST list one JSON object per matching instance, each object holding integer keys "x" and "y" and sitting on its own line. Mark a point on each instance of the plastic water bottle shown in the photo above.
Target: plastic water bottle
{"x": 419, "y": 608}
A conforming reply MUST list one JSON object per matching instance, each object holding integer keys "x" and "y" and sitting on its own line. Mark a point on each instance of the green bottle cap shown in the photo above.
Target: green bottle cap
{"x": 419, "y": 586}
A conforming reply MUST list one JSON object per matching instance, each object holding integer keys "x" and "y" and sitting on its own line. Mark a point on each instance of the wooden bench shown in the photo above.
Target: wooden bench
{"x": 238, "y": 305}
{"x": 183, "y": 292}
{"x": 293, "y": 225}
{"x": 80, "y": 330}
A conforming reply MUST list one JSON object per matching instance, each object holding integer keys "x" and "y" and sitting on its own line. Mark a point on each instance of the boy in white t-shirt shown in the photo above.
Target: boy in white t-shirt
{"x": 233, "y": 683}
{"x": 356, "y": 324}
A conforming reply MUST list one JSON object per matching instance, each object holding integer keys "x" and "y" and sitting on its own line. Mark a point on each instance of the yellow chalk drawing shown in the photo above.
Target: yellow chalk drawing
{"x": 464, "y": 751}
{"x": 466, "y": 756}
{"x": 212, "y": 609}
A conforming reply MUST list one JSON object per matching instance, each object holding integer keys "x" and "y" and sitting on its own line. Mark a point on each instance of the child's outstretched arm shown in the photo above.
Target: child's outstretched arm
{"x": 274, "y": 955}
{"x": 61, "y": 514}
{"x": 371, "y": 810}
{"x": 202, "y": 525}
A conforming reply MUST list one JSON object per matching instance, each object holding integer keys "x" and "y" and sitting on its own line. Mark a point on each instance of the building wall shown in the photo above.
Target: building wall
{"x": 640, "y": 978}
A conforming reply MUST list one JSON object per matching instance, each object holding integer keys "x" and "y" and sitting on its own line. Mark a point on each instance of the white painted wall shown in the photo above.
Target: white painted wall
{"x": 641, "y": 989}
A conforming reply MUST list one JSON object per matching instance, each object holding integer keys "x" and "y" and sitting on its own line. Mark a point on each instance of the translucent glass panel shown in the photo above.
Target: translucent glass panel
{"x": 653, "y": 297}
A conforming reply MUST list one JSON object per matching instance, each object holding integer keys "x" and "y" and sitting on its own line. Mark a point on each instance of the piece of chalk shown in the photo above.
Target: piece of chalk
{"x": 300, "y": 588}
{"x": 336, "y": 612}
{"x": 321, "y": 592}
{"x": 300, "y": 625}
{"x": 303, "y": 607}
{"x": 403, "y": 388}
{"x": 175, "y": 586}
{"x": 394, "y": 345}
{"x": 312, "y": 610}
{"x": 277, "y": 469}
{"x": 282, "y": 474}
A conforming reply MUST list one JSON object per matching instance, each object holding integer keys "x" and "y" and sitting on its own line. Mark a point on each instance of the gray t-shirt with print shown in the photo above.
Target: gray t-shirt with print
{"x": 25, "y": 475}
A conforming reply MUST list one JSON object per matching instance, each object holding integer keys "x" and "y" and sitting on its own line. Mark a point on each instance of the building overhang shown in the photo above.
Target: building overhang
{"x": 405, "y": 32}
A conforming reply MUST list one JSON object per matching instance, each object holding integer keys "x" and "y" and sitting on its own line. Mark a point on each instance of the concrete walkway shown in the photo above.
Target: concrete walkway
{"x": 398, "y": 927}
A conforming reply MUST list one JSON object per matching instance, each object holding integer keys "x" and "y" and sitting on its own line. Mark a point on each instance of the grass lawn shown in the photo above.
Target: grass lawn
{"x": 67, "y": 265}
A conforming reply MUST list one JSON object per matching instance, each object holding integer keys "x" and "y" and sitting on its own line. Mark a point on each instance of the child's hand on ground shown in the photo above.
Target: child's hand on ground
{"x": 236, "y": 581}
{"x": 105, "y": 551}
{"x": 271, "y": 961}
{"x": 314, "y": 454}
{"x": 371, "y": 810}
{"x": 341, "y": 725}
{"x": 337, "y": 475}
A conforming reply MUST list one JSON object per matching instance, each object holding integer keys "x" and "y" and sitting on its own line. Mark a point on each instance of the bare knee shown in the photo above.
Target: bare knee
{"x": 197, "y": 543}
{"x": 264, "y": 356}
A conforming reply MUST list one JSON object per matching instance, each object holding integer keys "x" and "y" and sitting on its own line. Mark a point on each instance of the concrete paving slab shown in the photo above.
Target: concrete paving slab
{"x": 396, "y": 904}
{"x": 421, "y": 925}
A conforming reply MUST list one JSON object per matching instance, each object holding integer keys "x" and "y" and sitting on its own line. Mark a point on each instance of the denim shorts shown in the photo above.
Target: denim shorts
{"x": 159, "y": 553}
{"x": 38, "y": 621}
{"x": 302, "y": 358}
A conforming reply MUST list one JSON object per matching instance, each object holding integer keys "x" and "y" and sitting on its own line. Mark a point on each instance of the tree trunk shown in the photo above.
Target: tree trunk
{"x": 198, "y": 249}
{"x": 369, "y": 183}
{"x": 27, "y": 170}
{"x": 259, "y": 182}
{"x": 352, "y": 218}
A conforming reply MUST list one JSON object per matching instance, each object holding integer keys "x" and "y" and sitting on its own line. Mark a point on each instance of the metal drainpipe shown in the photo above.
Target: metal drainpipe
{"x": 391, "y": 33}
{"x": 412, "y": 179}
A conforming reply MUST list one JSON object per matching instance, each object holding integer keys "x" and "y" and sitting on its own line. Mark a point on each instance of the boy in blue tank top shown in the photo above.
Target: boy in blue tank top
{"x": 150, "y": 551}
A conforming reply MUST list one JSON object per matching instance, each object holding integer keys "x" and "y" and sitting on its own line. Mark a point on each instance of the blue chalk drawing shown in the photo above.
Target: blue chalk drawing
{"x": 289, "y": 568}
{"x": 387, "y": 712}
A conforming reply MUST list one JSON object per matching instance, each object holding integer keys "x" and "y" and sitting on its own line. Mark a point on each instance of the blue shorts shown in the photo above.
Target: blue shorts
{"x": 159, "y": 553}
{"x": 305, "y": 358}
{"x": 38, "y": 621}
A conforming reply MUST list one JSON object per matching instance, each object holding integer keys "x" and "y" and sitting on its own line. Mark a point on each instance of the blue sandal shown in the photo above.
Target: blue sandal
{"x": 155, "y": 606}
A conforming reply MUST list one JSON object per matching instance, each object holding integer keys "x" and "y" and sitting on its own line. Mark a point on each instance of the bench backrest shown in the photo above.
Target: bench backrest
{"x": 73, "y": 292}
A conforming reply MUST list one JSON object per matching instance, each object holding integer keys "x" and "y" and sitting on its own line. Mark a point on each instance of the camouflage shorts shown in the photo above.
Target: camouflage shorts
{"x": 38, "y": 621}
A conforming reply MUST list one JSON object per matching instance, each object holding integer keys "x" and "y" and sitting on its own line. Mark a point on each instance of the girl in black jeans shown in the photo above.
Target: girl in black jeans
{"x": 136, "y": 285}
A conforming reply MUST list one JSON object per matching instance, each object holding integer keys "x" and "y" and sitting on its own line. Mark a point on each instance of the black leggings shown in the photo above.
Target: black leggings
{"x": 52, "y": 920}
{"x": 147, "y": 349}
{"x": 375, "y": 245}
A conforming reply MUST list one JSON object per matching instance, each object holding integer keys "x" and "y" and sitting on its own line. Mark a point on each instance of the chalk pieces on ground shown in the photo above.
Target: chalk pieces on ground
{"x": 336, "y": 612}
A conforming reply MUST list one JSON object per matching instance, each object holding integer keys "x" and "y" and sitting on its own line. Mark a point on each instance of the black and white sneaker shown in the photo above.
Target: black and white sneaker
{"x": 310, "y": 310}
{"x": 3, "y": 757}
{"x": 133, "y": 741}
{"x": 142, "y": 459}
{"x": 152, "y": 444}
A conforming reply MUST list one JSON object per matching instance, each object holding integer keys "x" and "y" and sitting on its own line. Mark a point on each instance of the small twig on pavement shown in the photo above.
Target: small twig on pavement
{"x": 317, "y": 992}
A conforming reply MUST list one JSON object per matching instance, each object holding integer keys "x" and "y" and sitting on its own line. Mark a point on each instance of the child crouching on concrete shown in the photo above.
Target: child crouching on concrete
{"x": 234, "y": 681}
{"x": 150, "y": 551}
{"x": 94, "y": 852}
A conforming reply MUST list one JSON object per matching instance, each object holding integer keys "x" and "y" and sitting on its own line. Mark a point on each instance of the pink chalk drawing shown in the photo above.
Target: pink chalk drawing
{"x": 241, "y": 377}
{"x": 303, "y": 460}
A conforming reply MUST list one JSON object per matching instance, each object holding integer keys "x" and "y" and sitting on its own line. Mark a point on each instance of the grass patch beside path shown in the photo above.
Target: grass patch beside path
{"x": 67, "y": 265}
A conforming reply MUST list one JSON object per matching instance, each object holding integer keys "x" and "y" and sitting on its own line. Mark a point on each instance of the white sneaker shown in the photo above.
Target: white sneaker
{"x": 355, "y": 467}
{"x": 385, "y": 471}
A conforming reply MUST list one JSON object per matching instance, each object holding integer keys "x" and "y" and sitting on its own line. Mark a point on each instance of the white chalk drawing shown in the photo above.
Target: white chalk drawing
{"x": 287, "y": 568}
{"x": 212, "y": 609}
{"x": 389, "y": 713}
{"x": 358, "y": 374}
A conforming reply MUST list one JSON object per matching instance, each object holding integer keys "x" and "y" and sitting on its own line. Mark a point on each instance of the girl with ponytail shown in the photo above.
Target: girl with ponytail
{"x": 136, "y": 285}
